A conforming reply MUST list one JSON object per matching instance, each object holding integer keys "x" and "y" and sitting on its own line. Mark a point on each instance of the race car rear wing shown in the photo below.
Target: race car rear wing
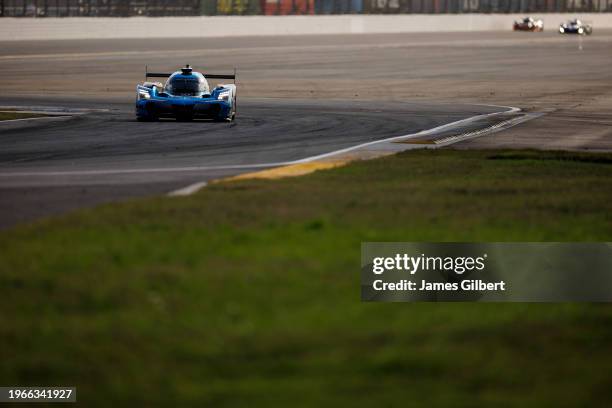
{"x": 211, "y": 76}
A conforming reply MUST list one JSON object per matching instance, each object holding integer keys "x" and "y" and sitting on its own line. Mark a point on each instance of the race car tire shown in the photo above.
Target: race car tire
{"x": 230, "y": 117}
{"x": 233, "y": 113}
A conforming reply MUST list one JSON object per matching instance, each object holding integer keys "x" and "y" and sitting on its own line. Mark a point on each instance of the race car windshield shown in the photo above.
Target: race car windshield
{"x": 186, "y": 87}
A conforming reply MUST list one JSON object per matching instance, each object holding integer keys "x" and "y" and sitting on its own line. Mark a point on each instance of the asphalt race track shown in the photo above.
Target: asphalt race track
{"x": 298, "y": 97}
{"x": 107, "y": 156}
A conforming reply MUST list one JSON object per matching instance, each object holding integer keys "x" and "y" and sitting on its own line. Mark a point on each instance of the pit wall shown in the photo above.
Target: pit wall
{"x": 16, "y": 29}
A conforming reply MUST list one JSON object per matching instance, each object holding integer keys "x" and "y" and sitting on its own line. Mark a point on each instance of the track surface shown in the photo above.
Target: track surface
{"x": 299, "y": 96}
{"x": 108, "y": 156}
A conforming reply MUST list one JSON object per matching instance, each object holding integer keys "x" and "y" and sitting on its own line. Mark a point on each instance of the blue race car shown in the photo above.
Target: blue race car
{"x": 185, "y": 96}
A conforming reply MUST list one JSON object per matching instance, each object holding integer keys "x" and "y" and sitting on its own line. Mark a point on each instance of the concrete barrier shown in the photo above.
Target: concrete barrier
{"x": 15, "y": 29}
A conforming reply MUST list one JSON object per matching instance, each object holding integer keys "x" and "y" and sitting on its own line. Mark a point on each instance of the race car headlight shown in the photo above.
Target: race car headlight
{"x": 561, "y": 30}
{"x": 224, "y": 96}
{"x": 580, "y": 30}
{"x": 142, "y": 94}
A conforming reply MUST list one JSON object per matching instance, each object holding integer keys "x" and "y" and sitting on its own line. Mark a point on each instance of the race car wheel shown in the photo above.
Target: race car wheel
{"x": 233, "y": 114}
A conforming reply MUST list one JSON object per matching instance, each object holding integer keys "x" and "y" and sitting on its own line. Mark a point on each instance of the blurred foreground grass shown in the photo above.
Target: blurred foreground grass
{"x": 247, "y": 293}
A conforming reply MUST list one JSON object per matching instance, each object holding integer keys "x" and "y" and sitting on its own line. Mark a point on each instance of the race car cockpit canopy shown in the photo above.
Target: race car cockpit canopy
{"x": 187, "y": 83}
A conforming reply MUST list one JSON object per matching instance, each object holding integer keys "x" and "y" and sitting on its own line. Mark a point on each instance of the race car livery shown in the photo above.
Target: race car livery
{"x": 528, "y": 24}
{"x": 575, "y": 26}
{"x": 186, "y": 95}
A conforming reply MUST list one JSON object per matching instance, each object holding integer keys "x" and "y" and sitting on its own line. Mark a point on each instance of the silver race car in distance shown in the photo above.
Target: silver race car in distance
{"x": 575, "y": 26}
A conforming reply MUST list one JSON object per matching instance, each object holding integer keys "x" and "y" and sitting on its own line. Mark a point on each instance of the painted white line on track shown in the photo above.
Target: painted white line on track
{"x": 29, "y": 119}
{"x": 14, "y": 124}
{"x": 190, "y": 189}
{"x": 488, "y": 130}
{"x": 445, "y": 142}
{"x": 261, "y": 165}
{"x": 48, "y": 110}
{"x": 140, "y": 171}
{"x": 410, "y": 136}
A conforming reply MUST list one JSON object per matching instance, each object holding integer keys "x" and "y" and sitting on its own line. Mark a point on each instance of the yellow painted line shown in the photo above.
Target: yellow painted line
{"x": 321, "y": 162}
{"x": 293, "y": 170}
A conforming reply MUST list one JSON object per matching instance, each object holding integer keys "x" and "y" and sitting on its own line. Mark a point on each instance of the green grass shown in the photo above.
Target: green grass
{"x": 247, "y": 293}
{"x": 19, "y": 115}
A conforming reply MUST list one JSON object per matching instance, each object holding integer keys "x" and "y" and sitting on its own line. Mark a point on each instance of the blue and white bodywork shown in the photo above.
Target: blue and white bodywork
{"x": 575, "y": 26}
{"x": 186, "y": 95}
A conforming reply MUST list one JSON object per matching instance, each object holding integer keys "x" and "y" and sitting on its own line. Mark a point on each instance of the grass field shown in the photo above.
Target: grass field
{"x": 247, "y": 293}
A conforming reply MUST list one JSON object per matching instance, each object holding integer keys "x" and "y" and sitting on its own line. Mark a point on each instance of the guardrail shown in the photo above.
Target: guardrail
{"x": 156, "y": 8}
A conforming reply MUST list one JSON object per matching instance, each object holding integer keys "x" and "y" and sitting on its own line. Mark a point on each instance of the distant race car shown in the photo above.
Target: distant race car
{"x": 528, "y": 24}
{"x": 185, "y": 96}
{"x": 575, "y": 26}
